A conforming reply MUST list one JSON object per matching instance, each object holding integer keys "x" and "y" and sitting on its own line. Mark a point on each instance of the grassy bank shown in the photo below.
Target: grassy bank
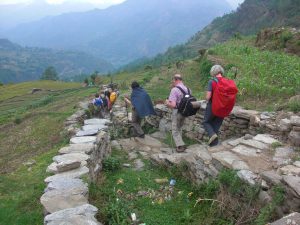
{"x": 31, "y": 129}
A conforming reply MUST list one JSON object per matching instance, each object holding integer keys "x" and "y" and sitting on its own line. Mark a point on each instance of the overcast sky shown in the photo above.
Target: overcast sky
{"x": 234, "y": 3}
{"x": 96, "y": 2}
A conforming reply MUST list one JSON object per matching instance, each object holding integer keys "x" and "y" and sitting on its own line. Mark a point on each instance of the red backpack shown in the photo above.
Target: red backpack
{"x": 224, "y": 95}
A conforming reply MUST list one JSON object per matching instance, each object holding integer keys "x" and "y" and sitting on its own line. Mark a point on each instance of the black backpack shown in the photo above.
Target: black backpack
{"x": 185, "y": 107}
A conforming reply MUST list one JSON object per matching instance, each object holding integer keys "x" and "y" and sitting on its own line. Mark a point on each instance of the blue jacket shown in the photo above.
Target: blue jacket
{"x": 142, "y": 102}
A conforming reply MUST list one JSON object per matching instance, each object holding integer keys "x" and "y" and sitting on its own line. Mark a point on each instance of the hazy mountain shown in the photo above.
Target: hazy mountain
{"x": 22, "y": 64}
{"x": 248, "y": 19}
{"x": 122, "y": 33}
{"x": 14, "y": 14}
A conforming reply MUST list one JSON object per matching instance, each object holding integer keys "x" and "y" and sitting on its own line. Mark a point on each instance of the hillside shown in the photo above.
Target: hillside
{"x": 23, "y": 64}
{"x": 263, "y": 79}
{"x": 248, "y": 19}
{"x": 122, "y": 33}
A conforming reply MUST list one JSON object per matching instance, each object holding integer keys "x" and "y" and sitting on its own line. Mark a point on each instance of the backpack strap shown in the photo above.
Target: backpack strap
{"x": 182, "y": 91}
{"x": 215, "y": 79}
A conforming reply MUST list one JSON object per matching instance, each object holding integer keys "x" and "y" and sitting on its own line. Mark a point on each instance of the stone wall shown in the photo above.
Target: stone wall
{"x": 65, "y": 199}
{"x": 284, "y": 126}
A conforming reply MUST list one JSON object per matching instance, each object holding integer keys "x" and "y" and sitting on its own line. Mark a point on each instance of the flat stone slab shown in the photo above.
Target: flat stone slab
{"x": 66, "y": 184}
{"x": 77, "y": 173}
{"x": 283, "y": 152}
{"x": 293, "y": 182}
{"x": 245, "y": 151}
{"x": 235, "y": 142}
{"x": 71, "y": 156}
{"x": 226, "y": 158}
{"x": 96, "y": 121}
{"x": 94, "y": 127}
{"x": 82, "y": 140}
{"x": 79, "y": 148}
{"x": 239, "y": 165}
{"x": 272, "y": 177}
{"x": 297, "y": 163}
{"x": 81, "y": 215}
{"x": 290, "y": 170}
{"x": 64, "y": 166}
{"x": 83, "y": 133}
{"x": 292, "y": 219}
{"x": 248, "y": 176}
{"x": 266, "y": 138}
{"x": 200, "y": 152}
{"x": 149, "y": 141}
{"x": 159, "y": 135}
{"x": 138, "y": 164}
{"x": 255, "y": 144}
{"x": 56, "y": 200}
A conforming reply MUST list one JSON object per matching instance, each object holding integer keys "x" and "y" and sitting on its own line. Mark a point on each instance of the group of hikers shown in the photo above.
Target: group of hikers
{"x": 104, "y": 102}
{"x": 220, "y": 96}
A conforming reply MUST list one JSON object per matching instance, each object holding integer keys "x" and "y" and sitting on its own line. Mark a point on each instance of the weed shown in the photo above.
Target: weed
{"x": 111, "y": 164}
{"x": 294, "y": 106}
{"x": 17, "y": 120}
{"x": 276, "y": 144}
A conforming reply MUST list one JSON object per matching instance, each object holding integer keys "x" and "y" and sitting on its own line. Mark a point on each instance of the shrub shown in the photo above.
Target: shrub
{"x": 111, "y": 164}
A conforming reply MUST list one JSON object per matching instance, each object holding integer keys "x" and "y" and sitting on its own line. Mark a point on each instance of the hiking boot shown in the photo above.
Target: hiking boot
{"x": 180, "y": 149}
{"x": 212, "y": 138}
{"x": 142, "y": 136}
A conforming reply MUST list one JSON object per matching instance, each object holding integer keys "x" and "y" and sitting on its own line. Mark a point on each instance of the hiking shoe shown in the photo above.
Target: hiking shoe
{"x": 212, "y": 138}
{"x": 142, "y": 136}
{"x": 180, "y": 149}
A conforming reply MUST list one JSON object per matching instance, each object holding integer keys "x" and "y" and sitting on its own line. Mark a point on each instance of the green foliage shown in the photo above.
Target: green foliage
{"x": 111, "y": 164}
{"x": 17, "y": 120}
{"x": 41, "y": 102}
{"x": 49, "y": 74}
{"x": 294, "y": 106}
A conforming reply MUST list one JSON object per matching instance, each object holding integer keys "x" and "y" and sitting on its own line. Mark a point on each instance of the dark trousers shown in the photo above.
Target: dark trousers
{"x": 211, "y": 123}
{"x": 136, "y": 123}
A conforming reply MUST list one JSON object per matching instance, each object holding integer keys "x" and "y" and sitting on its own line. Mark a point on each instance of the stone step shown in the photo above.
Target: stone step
{"x": 77, "y": 173}
{"x": 82, "y": 140}
{"x": 81, "y": 215}
{"x": 80, "y": 148}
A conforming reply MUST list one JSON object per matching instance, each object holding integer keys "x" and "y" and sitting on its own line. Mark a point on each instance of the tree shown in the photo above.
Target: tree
{"x": 50, "y": 74}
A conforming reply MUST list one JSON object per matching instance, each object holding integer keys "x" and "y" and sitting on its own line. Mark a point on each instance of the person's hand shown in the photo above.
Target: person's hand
{"x": 167, "y": 102}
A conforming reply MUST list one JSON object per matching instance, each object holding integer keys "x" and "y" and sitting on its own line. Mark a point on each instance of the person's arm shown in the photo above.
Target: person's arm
{"x": 127, "y": 100}
{"x": 170, "y": 104}
{"x": 171, "y": 101}
{"x": 209, "y": 91}
{"x": 208, "y": 95}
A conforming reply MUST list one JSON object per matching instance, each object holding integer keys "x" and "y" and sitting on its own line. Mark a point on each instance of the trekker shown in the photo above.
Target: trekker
{"x": 141, "y": 107}
{"x": 98, "y": 105}
{"x": 212, "y": 123}
{"x": 112, "y": 97}
{"x": 177, "y": 119}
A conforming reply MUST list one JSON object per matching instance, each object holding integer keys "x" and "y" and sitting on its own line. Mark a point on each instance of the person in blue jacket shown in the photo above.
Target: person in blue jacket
{"x": 141, "y": 107}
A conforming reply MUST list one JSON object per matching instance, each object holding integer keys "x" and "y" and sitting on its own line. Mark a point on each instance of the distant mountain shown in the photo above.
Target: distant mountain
{"x": 15, "y": 14}
{"x": 249, "y": 19}
{"x": 19, "y": 64}
{"x": 124, "y": 32}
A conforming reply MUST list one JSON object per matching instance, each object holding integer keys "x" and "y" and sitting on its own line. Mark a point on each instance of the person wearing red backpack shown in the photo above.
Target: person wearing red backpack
{"x": 220, "y": 96}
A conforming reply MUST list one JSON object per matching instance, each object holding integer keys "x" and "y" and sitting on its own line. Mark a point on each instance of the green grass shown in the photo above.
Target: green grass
{"x": 221, "y": 201}
{"x": 264, "y": 76}
{"x": 31, "y": 128}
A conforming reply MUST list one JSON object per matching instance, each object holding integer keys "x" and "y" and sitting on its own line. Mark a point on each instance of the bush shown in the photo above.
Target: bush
{"x": 111, "y": 164}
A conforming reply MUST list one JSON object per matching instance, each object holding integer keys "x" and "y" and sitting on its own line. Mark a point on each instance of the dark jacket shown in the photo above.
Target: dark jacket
{"x": 142, "y": 102}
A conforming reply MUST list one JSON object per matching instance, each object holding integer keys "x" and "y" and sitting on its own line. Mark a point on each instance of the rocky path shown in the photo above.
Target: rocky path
{"x": 259, "y": 160}
{"x": 65, "y": 200}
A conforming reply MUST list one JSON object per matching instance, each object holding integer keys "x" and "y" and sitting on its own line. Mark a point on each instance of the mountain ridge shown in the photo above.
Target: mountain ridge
{"x": 124, "y": 32}
{"x": 19, "y": 63}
